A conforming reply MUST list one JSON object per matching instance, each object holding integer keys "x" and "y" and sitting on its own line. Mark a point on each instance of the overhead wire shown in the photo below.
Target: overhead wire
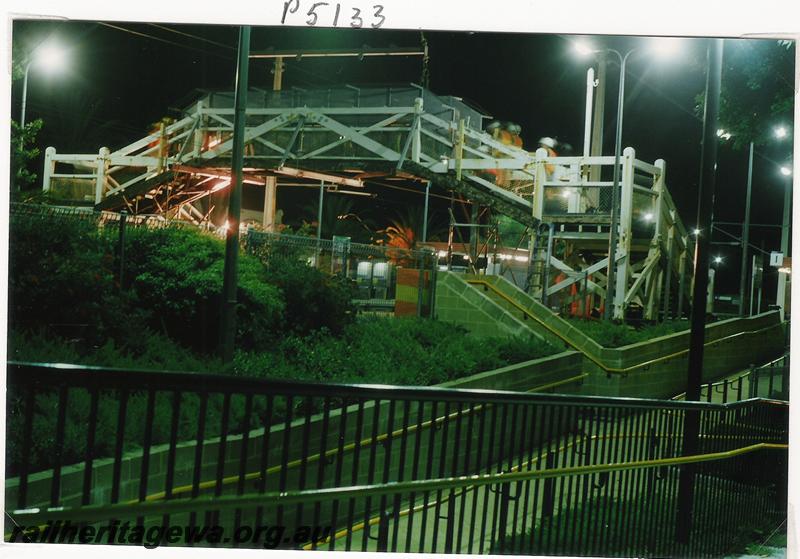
{"x": 167, "y": 41}
{"x": 191, "y": 36}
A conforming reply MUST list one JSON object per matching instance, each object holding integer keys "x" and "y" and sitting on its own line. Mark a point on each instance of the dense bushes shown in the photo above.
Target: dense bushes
{"x": 177, "y": 276}
{"x": 60, "y": 276}
{"x": 313, "y": 300}
{"x": 63, "y": 280}
{"x": 409, "y": 351}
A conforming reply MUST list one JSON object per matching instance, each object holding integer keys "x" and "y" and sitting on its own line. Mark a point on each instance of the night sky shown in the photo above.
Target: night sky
{"x": 117, "y": 82}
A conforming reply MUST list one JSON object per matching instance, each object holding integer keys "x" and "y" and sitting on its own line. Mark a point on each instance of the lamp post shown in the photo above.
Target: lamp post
{"x": 50, "y": 56}
{"x": 746, "y": 232}
{"x": 787, "y": 213}
{"x": 615, "y": 195}
{"x": 583, "y": 49}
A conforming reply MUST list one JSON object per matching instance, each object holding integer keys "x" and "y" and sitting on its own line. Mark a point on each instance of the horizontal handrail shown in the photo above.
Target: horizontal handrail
{"x": 596, "y": 360}
{"x": 138, "y": 380}
{"x": 91, "y": 513}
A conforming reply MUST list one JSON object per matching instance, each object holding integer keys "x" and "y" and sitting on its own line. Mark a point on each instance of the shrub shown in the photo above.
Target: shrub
{"x": 314, "y": 300}
{"x": 60, "y": 276}
{"x": 177, "y": 274}
{"x": 408, "y": 351}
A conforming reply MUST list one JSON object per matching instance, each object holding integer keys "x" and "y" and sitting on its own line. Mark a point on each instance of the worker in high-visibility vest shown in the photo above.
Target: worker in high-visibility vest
{"x": 493, "y": 129}
{"x": 550, "y": 145}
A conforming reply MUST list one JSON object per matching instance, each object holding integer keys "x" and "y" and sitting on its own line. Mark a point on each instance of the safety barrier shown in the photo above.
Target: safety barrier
{"x": 422, "y": 469}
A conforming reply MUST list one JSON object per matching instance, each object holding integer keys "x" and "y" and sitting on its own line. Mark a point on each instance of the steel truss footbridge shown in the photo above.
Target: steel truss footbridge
{"x": 343, "y": 137}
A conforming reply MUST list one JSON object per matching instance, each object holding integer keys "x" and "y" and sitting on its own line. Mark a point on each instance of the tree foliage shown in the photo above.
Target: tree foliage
{"x": 757, "y": 89}
{"x": 23, "y": 152}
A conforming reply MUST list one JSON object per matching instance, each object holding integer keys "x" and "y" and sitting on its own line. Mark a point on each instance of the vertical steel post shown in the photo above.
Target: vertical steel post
{"x": 121, "y": 248}
{"x": 615, "y": 194}
{"x": 787, "y": 216}
{"x": 49, "y": 168}
{"x": 708, "y": 160}
{"x": 587, "y": 127}
{"x": 319, "y": 209}
{"x": 548, "y": 254}
{"x": 25, "y": 94}
{"x": 746, "y": 232}
{"x": 229, "y": 285}
{"x": 101, "y": 166}
{"x": 599, "y": 116}
{"x": 425, "y": 213}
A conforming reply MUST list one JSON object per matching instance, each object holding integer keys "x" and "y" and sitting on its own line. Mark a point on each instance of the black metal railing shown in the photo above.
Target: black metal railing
{"x": 770, "y": 380}
{"x": 378, "y": 467}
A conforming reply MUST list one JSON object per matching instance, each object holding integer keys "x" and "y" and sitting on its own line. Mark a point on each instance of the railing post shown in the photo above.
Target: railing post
{"x": 432, "y": 288}
{"x": 420, "y": 265}
{"x": 416, "y": 133}
{"x": 666, "y": 302}
{"x": 625, "y": 234}
{"x": 100, "y": 177}
{"x": 654, "y": 291}
{"x": 383, "y": 531}
{"x": 163, "y": 146}
{"x": 199, "y": 132}
{"x": 539, "y": 178}
{"x": 121, "y": 248}
{"x": 753, "y": 381}
{"x": 548, "y": 487}
{"x": 49, "y": 168}
{"x": 502, "y": 525}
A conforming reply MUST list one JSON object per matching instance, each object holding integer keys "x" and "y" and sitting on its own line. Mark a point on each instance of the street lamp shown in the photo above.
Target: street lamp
{"x": 781, "y": 132}
{"x": 660, "y": 46}
{"x": 48, "y": 56}
{"x": 787, "y": 212}
{"x": 745, "y": 239}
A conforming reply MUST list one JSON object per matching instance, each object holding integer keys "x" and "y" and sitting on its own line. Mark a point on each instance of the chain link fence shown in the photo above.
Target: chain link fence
{"x": 387, "y": 278}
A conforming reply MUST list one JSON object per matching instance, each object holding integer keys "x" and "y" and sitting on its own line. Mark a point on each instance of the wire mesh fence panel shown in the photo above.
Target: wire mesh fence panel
{"x": 404, "y": 279}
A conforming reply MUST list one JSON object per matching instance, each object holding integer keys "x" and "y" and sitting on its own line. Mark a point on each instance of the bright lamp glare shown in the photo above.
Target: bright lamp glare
{"x": 583, "y": 48}
{"x": 648, "y": 216}
{"x": 786, "y": 171}
{"x": 696, "y": 232}
{"x": 50, "y": 57}
{"x": 665, "y": 46}
{"x": 781, "y": 132}
{"x": 717, "y": 260}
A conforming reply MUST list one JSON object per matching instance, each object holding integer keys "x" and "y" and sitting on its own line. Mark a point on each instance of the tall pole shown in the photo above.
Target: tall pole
{"x": 746, "y": 233}
{"x": 24, "y": 95}
{"x": 599, "y": 114}
{"x": 229, "y": 285}
{"x": 705, "y": 207}
{"x": 425, "y": 213}
{"x": 787, "y": 215}
{"x": 319, "y": 209}
{"x": 615, "y": 194}
{"x": 587, "y": 127}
